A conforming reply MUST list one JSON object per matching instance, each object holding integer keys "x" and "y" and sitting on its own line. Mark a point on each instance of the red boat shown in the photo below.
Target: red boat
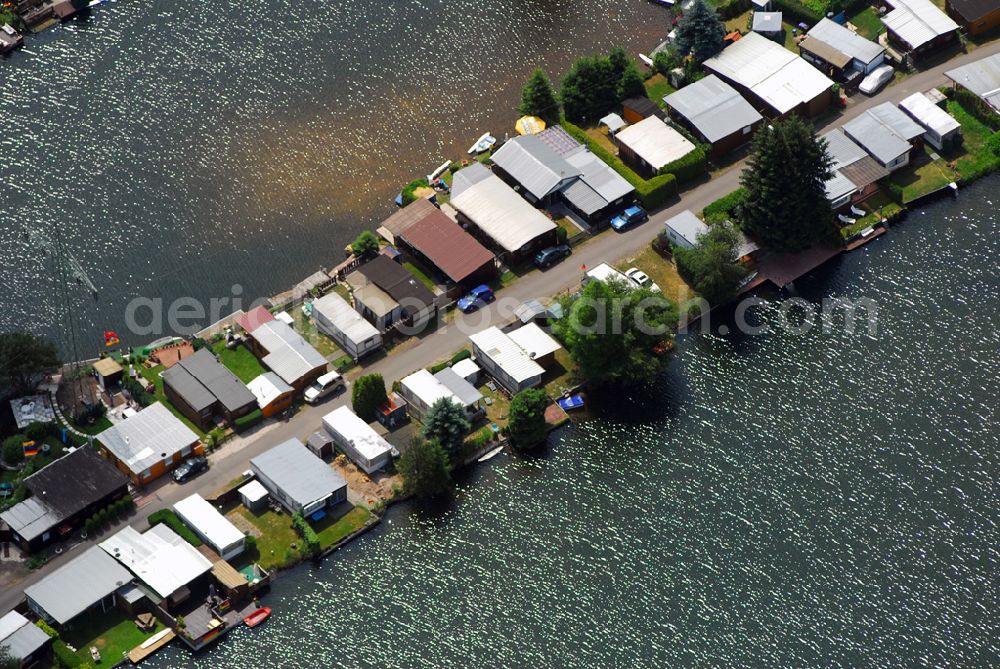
{"x": 257, "y": 617}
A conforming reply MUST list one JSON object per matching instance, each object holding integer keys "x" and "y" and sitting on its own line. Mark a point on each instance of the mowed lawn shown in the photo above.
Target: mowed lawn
{"x": 240, "y": 361}
{"x": 112, "y": 633}
{"x": 331, "y": 530}
{"x": 662, "y": 271}
{"x": 275, "y": 538}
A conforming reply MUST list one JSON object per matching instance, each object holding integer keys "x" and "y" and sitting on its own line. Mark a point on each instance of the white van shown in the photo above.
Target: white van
{"x": 324, "y": 386}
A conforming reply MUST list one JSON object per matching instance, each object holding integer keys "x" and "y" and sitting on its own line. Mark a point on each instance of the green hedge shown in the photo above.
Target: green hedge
{"x": 794, "y": 12}
{"x": 652, "y": 193}
{"x": 689, "y": 167}
{"x": 464, "y": 354}
{"x": 248, "y": 421}
{"x": 170, "y": 519}
{"x": 307, "y": 533}
{"x": 977, "y": 108}
{"x": 724, "y": 209}
{"x": 732, "y": 9}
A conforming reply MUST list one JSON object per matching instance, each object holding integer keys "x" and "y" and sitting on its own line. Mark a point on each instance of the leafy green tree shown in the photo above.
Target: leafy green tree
{"x": 365, "y": 245}
{"x": 527, "y": 425}
{"x": 711, "y": 267}
{"x": 666, "y": 60}
{"x": 446, "y": 424}
{"x": 589, "y": 89}
{"x": 13, "y": 449}
{"x": 785, "y": 207}
{"x": 612, "y": 329}
{"x": 425, "y": 468}
{"x": 618, "y": 61}
{"x": 700, "y": 33}
{"x": 631, "y": 83}
{"x": 538, "y": 98}
{"x": 23, "y": 356}
{"x": 368, "y": 395}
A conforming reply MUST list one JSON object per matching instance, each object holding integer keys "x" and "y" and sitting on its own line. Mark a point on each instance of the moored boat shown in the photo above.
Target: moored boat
{"x": 483, "y": 144}
{"x": 257, "y": 617}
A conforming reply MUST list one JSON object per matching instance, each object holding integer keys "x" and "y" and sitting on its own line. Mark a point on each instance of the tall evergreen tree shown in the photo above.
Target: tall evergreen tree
{"x": 786, "y": 208}
{"x": 23, "y": 357}
{"x": 589, "y": 89}
{"x": 425, "y": 468}
{"x": 368, "y": 395}
{"x": 538, "y": 98}
{"x": 630, "y": 84}
{"x": 446, "y": 424}
{"x": 527, "y": 418}
{"x": 700, "y": 32}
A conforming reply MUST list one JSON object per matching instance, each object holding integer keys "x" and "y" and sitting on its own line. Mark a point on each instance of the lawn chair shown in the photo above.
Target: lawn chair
{"x": 860, "y": 213}
{"x": 846, "y": 220}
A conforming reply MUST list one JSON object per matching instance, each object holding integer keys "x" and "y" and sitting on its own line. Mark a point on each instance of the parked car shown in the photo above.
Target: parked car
{"x": 878, "y": 78}
{"x": 628, "y": 218}
{"x": 550, "y": 256}
{"x": 641, "y": 279}
{"x": 477, "y": 298}
{"x": 323, "y": 387}
{"x": 190, "y": 468}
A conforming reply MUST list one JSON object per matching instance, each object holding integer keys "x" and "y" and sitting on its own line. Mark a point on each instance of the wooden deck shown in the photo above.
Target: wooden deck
{"x": 858, "y": 243}
{"x": 138, "y": 654}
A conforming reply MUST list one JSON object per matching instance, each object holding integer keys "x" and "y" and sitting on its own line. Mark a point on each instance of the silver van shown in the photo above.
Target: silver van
{"x": 326, "y": 385}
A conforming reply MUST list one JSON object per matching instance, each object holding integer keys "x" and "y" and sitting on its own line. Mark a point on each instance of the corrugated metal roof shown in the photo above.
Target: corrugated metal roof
{"x": 201, "y": 516}
{"x": 268, "y": 387}
{"x": 893, "y": 117}
{"x": 358, "y": 433}
{"x": 655, "y": 142}
{"x": 289, "y": 355}
{"x": 202, "y": 373}
{"x": 917, "y": 22}
{"x": 845, "y": 41}
{"x": 506, "y": 354}
{"x": 333, "y": 310}
{"x": 599, "y": 177}
{"x": 864, "y": 172}
{"x": 412, "y": 213}
{"x": 19, "y": 637}
{"x": 838, "y": 186}
{"x": 499, "y": 212}
{"x": 713, "y": 107}
{"x": 928, "y": 114}
{"x": 468, "y": 176}
{"x": 824, "y": 51}
{"x": 158, "y": 557}
{"x": 31, "y": 518}
{"x": 452, "y": 250}
{"x": 534, "y": 165}
{"x": 876, "y": 138}
{"x": 77, "y": 585}
{"x": 298, "y": 473}
{"x": 428, "y": 389}
{"x": 534, "y": 341}
{"x": 772, "y": 72}
{"x": 464, "y": 391}
{"x": 152, "y": 435}
{"x": 688, "y": 226}
{"x": 252, "y": 319}
{"x": 981, "y": 77}
{"x": 842, "y": 149}
{"x": 613, "y": 121}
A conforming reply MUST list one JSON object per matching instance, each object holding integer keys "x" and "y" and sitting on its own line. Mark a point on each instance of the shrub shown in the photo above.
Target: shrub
{"x": 464, "y": 354}
{"x": 137, "y": 392}
{"x": 365, "y": 245}
{"x": 561, "y": 235}
{"x": 367, "y": 395}
{"x": 246, "y": 422}
{"x": 13, "y": 449}
{"x": 895, "y": 191}
{"x": 198, "y": 343}
{"x": 689, "y": 167}
{"x": 993, "y": 144}
{"x": 170, "y": 519}
{"x": 250, "y": 543}
{"x": 308, "y": 534}
{"x": 977, "y": 108}
{"x": 725, "y": 208}
{"x": 732, "y": 9}
{"x": 45, "y": 627}
{"x": 38, "y": 431}
{"x": 409, "y": 189}
{"x": 36, "y": 560}
{"x": 434, "y": 369}
{"x": 64, "y": 657}
{"x": 652, "y": 193}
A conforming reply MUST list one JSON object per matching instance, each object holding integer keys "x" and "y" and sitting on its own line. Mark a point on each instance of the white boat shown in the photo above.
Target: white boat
{"x": 155, "y": 638}
{"x": 491, "y": 454}
{"x": 483, "y": 144}
{"x": 439, "y": 171}
{"x": 646, "y": 59}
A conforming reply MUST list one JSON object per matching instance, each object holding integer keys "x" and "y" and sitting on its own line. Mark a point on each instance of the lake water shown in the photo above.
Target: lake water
{"x": 183, "y": 148}
{"x": 781, "y": 500}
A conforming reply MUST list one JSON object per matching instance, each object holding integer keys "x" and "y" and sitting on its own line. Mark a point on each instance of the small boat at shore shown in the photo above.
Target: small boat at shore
{"x": 489, "y": 455}
{"x": 483, "y": 144}
{"x": 571, "y": 402}
{"x": 257, "y": 617}
{"x": 647, "y": 61}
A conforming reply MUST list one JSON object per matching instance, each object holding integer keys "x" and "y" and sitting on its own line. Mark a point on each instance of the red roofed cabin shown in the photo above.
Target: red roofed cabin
{"x": 439, "y": 241}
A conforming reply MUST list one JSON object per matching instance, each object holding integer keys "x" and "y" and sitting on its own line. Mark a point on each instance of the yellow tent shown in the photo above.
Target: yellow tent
{"x": 529, "y": 125}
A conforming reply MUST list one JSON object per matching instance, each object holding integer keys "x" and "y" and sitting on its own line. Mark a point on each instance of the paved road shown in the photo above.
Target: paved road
{"x": 233, "y": 459}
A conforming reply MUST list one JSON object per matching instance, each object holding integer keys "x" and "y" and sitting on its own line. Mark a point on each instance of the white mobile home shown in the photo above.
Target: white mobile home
{"x": 941, "y": 130}
{"x": 358, "y": 440}
{"x": 298, "y": 479}
{"x": 338, "y": 319}
{"x": 684, "y": 229}
{"x": 505, "y": 361}
{"x": 211, "y": 526}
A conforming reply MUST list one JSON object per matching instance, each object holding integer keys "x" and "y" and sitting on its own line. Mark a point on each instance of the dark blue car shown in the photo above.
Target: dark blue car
{"x": 477, "y": 298}
{"x": 628, "y": 218}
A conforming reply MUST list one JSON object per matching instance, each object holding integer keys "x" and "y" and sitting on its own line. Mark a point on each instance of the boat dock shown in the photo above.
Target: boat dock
{"x": 151, "y": 645}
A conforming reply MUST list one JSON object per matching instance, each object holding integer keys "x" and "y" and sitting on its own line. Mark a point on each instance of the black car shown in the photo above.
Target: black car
{"x": 190, "y": 468}
{"x": 551, "y": 255}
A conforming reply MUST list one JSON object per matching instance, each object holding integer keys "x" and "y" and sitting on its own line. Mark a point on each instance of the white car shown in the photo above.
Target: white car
{"x": 878, "y": 78}
{"x": 324, "y": 386}
{"x": 641, "y": 279}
